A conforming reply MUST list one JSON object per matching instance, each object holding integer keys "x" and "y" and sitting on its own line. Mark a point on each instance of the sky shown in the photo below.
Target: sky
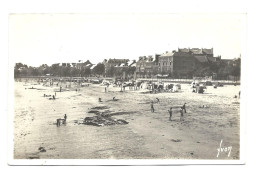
{"x": 36, "y": 39}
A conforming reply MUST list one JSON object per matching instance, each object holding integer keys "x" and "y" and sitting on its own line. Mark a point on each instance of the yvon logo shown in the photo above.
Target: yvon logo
{"x": 223, "y": 149}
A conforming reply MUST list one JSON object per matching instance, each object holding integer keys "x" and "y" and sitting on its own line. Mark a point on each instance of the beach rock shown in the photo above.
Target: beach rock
{"x": 42, "y": 149}
{"x": 103, "y": 119}
{"x": 93, "y": 111}
{"x": 177, "y": 140}
{"x": 120, "y": 121}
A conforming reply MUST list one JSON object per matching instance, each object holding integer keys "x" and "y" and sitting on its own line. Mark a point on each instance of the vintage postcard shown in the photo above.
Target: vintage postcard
{"x": 126, "y": 89}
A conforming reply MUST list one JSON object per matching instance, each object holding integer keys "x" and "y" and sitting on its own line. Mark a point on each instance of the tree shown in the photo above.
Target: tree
{"x": 236, "y": 69}
{"x": 16, "y": 73}
{"x": 20, "y": 69}
{"x": 32, "y": 71}
{"x": 65, "y": 71}
{"x": 86, "y": 71}
{"x": 99, "y": 69}
{"x": 24, "y": 71}
{"x": 111, "y": 71}
{"x": 130, "y": 70}
{"x": 74, "y": 72}
{"x": 19, "y": 65}
{"x": 55, "y": 69}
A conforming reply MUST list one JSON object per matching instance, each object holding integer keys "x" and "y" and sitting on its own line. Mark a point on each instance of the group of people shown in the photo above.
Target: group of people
{"x": 61, "y": 121}
{"x": 53, "y": 96}
{"x": 182, "y": 109}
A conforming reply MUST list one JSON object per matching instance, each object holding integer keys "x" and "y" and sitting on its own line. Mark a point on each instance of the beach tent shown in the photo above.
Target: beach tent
{"x": 144, "y": 85}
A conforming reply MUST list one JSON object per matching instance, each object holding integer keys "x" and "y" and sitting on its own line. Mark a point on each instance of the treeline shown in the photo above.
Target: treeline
{"x": 222, "y": 70}
{"x": 56, "y": 70}
{"x": 22, "y": 70}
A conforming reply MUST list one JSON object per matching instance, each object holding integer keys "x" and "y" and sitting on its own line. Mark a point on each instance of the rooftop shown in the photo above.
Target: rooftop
{"x": 117, "y": 60}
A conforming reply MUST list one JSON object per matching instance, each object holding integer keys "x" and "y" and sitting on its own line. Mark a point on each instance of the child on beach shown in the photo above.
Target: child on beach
{"x": 170, "y": 112}
{"x": 152, "y": 108}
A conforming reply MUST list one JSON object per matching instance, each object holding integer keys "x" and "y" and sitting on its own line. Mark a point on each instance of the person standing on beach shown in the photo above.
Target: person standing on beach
{"x": 58, "y": 122}
{"x": 170, "y": 112}
{"x": 60, "y": 88}
{"x": 184, "y": 107}
{"x": 105, "y": 89}
{"x": 152, "y": 108}
{"x": 65, "y": 118}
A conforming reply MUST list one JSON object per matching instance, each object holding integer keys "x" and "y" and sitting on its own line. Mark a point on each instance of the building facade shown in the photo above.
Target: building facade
{"x": 182, "y": 63}
{"x": 147, "y": 66}
{"x": 112, "y": 63}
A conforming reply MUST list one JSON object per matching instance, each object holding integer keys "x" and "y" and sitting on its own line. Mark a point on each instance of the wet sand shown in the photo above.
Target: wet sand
{"x": 146, "y": 136}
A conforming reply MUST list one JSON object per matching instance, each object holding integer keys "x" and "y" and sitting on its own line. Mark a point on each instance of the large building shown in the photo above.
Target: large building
{"x": 111, "y": 63}
{"x": 184, "y": 62}
{"x": 147, "y": 66}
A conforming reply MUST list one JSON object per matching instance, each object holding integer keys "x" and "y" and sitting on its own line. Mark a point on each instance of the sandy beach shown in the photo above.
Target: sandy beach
{"x": 146, "y": 136}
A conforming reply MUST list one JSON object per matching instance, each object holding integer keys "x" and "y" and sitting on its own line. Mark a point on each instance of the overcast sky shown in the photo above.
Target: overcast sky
{"x": 35, "y": 39}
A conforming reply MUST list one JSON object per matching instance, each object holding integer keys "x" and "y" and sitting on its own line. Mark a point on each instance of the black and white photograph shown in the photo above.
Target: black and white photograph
{"x": 132, "y": 86}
